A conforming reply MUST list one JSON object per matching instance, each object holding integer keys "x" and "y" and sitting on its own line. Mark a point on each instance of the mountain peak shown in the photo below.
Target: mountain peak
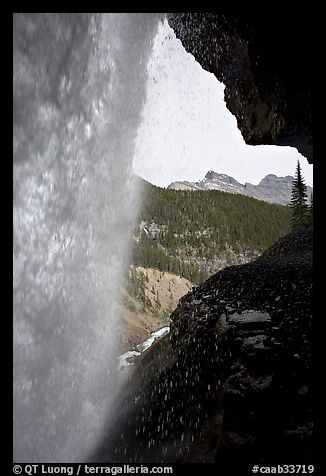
{"x": 271, "y": 188}
{"x": 211, "y": 175}
{"x": 276, "y": 181}
{"x": 214, "y": 176}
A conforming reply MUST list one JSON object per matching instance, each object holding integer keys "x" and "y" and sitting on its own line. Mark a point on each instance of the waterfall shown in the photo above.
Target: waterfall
{"x": 79, "y": 83}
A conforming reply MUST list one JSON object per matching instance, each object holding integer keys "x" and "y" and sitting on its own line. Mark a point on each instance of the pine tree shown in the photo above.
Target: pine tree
{"x": 298, "y": 202}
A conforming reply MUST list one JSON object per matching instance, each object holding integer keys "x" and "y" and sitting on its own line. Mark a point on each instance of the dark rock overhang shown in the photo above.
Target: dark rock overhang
{"x": 265, "y": 61}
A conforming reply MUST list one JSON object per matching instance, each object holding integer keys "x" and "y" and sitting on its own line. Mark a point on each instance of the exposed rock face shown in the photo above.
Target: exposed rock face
{"x": 271, "y": 188}
{"x": 264, "y": 61}
{"x": 148, "y": 304}
{"x": 232, "y": 382}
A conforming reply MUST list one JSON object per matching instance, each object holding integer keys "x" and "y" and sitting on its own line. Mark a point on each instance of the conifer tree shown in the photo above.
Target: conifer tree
{"x": 298, "y": 202}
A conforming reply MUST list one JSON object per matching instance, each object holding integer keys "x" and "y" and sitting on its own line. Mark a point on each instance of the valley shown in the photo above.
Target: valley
{"x": 181, "y": 239}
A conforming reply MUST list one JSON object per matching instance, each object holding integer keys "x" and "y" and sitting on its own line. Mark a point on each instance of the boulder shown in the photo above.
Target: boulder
{"x": 231, "y": 383}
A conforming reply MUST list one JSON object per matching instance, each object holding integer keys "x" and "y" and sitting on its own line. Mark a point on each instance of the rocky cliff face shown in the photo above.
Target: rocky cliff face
{"x": 263, "y": 58}
{"x": 146, "y": 302}
{"x": 231, "y": 384}
{"x": 271, "y": 188}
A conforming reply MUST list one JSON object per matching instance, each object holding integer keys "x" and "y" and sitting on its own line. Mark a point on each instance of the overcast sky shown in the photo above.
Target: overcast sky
{"x": 187, "y": 130}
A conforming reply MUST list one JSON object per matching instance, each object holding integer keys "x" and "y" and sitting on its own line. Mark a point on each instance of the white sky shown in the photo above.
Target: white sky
{"x": 187, "y": 130}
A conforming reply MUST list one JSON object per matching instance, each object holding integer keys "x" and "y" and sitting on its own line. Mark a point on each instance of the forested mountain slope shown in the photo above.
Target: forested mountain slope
{"x": 196, "y": 234}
